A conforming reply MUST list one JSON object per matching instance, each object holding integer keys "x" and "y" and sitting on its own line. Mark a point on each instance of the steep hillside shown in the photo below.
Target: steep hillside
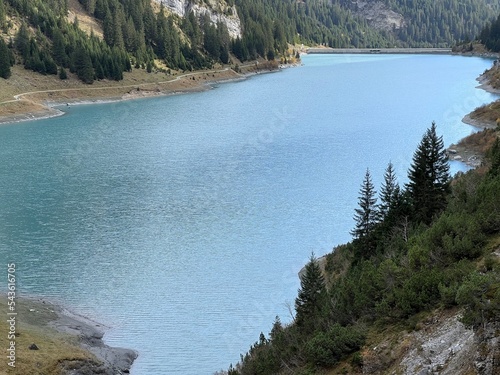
{"x": 369, "y": 23}
{"x": 102, "y": 39}
{"x": 441, "y": 23}
{"x": 417, "y": 291}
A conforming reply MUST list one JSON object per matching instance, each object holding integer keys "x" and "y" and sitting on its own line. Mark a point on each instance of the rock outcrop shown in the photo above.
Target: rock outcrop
{"x": 442, "y": 345}
{"x": 217, "y": 10}
{"x": 379, "y": 15}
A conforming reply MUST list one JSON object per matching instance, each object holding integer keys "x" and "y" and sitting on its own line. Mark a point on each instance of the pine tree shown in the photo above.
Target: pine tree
{"x": 4, "y": 59}
{"x": 83, "y": 65}
{"x": 58, "y": 48}
{"x": 312, "y": 297}
{"x": 389, "y": 192}
{"x": 62, "y": 74}
{"x": 2, "y": 14}
{"x": 22, "y": 41}
{"x": 429, "y": 177}
{"x": 366, "y": 215}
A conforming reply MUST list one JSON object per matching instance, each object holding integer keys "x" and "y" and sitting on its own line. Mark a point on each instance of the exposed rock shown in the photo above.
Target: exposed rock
{"x": 379, "y": 15}
{"x": 443, "y": 348}
{"x": 113, "y": 360}
{"x": 440, "y": 345}
{"x": 217, "y": 10}
{"x": 33, "y": 347}
{"x": 447, "y": 347}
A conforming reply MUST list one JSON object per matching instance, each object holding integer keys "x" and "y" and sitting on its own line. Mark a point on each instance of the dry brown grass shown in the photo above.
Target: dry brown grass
{"x": 479, "y": 142}
{"x": 54, "y": 348}
{"x": 86, "y": 22}
{"x": 35, "y": 89}
{"x": 488, "y": 113}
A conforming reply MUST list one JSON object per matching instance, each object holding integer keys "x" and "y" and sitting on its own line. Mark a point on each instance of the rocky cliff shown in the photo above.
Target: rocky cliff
{"x": 379, "y": 15}
{"x": 217, "y": 10}
{"x": 439, "y": 345}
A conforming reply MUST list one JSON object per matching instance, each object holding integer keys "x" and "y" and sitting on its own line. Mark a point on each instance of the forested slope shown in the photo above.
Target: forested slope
{"x": 433, "y": 244}
{"x": 187, "y": 35}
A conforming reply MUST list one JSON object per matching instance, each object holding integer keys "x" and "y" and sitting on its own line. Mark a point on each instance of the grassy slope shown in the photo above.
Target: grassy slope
{"x": 54, "y": 348}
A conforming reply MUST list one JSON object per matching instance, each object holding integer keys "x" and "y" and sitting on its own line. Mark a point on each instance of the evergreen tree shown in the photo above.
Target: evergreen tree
{"x": 429, "y": 177}
{"x": 366, "y": 215}
{"x": 83, "y": 65}
{"x": 22, "y": 41}
{"x": 4, "y": 60}
{"x": 62, "y": 74}
{"x": 211, "y": 42}
{"x": 2, "y": 14}
{"x": 58, "y": 48}
{"x": 312, "y": 296}
{"x": 389, "y": 192}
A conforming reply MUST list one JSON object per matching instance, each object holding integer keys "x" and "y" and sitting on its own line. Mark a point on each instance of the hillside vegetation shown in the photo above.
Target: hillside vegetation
{"x": 431, "y": 244}
{"x": 116, "y": 36}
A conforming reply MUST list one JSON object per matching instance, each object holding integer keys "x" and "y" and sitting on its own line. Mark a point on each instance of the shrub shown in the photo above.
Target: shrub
{"x": 327, "y": 348}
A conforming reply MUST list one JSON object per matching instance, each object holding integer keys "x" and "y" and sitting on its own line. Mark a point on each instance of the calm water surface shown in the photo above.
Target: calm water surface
{"x": 181, "y": 222}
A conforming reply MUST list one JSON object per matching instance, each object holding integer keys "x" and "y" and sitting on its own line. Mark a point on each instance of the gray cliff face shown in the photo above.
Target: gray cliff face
{"x": 217, "y": 10}
{"x": 379, "y": 15}
{"x": 442, "y": 345}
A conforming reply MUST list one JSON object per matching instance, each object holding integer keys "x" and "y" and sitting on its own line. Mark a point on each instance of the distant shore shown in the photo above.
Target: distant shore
{"x": 327, "y": 50}
{"x": 471, "y": 149}
{"x": 57, "y": 334}
{"x": 43, "y": 104}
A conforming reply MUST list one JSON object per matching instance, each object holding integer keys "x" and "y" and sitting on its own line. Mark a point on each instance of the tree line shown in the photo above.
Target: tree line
{"x": 269, "y": 25}
{"x": 135, "y": 35}
{"x": 422, "y": 246}
{"x": 490, "y": 35}
{"x": 441, "y": 23}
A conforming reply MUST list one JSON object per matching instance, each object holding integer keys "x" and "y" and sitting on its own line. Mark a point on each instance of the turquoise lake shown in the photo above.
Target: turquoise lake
{"x": 181, "y": 222}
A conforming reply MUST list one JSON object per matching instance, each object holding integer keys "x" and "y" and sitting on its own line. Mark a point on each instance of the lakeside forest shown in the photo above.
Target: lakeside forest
{"x": 428, "y": 245}
{"x": 143, "y": 34}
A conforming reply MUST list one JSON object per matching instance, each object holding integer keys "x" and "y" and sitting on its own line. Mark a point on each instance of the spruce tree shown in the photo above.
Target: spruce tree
{"x": 83, "y": 65}
{"x": 22, "y": 41}
{"x": 312, "y": 297}
{"x": 62, "y": 74}
{"x": 2, "y": 14}
{"x": 59, "y": 48}
{"x": 366, "y": 215}
{"x": 429, "y": 177}
{"x": 4, "y": 60}
{"x": 389, "y": 192}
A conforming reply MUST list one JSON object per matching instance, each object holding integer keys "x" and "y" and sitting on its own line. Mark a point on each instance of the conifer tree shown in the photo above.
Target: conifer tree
{"x": 62, "y": 74}
{"x": 312, "y": 295}
{"x": 366, "y": 215}
{"x": 429, "y": 176}
{"x": 58, "y": 48}
{"x": 2, "y": 14}
{"x": 22, "y": 41}
{"x": 4, "y": 60}
{"x": 83, "y": 65}
{"x": 389, "y": 192}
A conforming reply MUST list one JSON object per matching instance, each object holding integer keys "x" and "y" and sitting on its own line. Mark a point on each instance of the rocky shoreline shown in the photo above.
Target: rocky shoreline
{"x": 49, "y": 323}
{"x": 90, "y": 334}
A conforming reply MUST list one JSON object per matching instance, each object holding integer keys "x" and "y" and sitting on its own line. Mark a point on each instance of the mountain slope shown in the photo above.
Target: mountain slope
{"x": 193, "y": 34}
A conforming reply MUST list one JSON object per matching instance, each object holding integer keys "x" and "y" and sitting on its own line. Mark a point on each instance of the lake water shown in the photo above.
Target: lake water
{"x": 181, "y": 222}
